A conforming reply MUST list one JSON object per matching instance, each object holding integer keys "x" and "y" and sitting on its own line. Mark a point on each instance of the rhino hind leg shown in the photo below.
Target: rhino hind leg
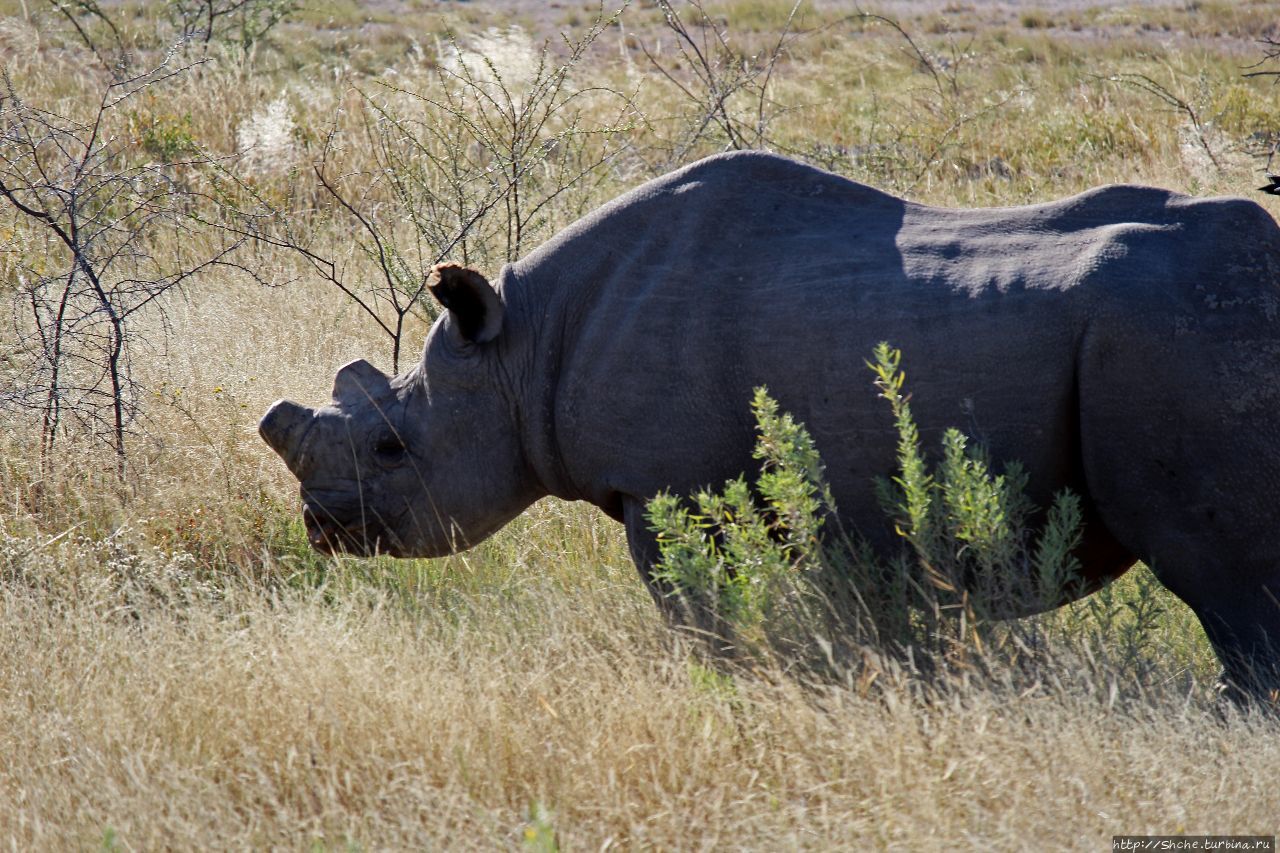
{"x": 1186, "y": 475}
{"x": 1244, "y": 635}
{"x": 1236, "y": 603}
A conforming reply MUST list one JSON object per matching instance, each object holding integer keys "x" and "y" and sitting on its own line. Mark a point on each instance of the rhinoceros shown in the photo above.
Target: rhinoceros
{"x": 1123, "y": 343}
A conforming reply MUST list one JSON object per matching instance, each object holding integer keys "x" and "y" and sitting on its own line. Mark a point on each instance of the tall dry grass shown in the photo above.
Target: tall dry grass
{"x": 178, "y": 670}
{"x": 145, "y": 710}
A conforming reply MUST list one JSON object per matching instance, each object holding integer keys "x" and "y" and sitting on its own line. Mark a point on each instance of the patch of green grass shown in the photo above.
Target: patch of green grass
{"x": 1035, "y": 19}
{"x": 539, "y": 833}
{"x": 334, "y": 15}
{"x": 763, "y": 15}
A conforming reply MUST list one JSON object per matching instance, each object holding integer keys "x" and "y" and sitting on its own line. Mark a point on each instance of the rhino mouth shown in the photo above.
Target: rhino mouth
{"x": 366, "y": 537}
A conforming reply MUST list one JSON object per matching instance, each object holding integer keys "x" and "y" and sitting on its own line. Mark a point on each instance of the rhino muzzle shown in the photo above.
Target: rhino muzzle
{"x": 283, "y": 427}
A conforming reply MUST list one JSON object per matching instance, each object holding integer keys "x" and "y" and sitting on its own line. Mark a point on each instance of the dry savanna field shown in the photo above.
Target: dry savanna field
{"x": 188, "y": 233}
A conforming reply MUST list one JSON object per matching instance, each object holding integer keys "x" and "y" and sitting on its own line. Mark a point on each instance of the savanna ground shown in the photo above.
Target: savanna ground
{"x": 179, "y": 670}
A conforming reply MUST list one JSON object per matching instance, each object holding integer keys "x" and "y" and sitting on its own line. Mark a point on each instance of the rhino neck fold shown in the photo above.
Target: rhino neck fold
{"x": 529, "y": 363}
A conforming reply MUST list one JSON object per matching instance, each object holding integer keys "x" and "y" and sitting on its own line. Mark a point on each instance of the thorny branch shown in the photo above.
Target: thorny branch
{"x": 1271, "y": 53}
{"x": 721, "y": 74}
{"x": 464, "y": 169}
{"x": 1179, "y": 104}
{"x": 100, "y": 211}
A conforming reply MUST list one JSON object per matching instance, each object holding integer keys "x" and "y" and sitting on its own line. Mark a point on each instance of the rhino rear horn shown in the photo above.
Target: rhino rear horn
{"x": 282, "y": 427}
{"x": 359, "y": 382}
{"x": 471, "y": 300}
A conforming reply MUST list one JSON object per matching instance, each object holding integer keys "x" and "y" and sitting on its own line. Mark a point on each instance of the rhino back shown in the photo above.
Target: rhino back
{"x": 676, "y": 300}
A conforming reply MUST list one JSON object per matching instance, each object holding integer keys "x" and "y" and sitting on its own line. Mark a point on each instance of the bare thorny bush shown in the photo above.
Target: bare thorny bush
{"x": 242, "y": 23}
{"x": 727, "y": 91}
{"x": 472, "y": 160}
{"x": 731, "y": 100}
{"x": 104, "y": 229}
{"x": 474, "y": 157}
{"x": 103, "y": 235}
{"x": 1264, "y": 67}
{"x": 907, "y": 142}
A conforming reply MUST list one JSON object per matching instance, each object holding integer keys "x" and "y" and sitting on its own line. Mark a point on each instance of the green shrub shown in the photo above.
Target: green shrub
{"x": 738, "y": 557}
{"x": 969, "y": 529}
{"x": 770, "y": 567}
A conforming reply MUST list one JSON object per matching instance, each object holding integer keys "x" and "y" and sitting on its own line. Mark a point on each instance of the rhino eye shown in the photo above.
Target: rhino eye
{"x": 389, "y": 448}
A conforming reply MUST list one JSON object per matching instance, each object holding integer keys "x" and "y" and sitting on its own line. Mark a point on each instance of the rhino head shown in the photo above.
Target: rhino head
{"x": 418, "y": 465}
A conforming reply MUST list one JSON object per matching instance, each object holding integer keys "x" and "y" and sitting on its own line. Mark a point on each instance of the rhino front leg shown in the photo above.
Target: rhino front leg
{"x": 643, "y": 544}
{"x": 694, "y": 614}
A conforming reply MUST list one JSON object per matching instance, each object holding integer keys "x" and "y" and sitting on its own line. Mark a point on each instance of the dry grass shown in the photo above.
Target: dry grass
{"x": 142, "y": 707}
{"x": 177, "y": 670}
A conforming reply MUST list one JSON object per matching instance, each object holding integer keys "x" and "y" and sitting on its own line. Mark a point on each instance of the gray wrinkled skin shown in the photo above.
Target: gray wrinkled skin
{"x": 1123, "y": 343}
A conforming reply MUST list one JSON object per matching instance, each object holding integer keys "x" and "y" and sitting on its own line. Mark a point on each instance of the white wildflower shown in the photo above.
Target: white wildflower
{"x": 497, "y": 60}
{"x": 265, "y": 139}
{"x": 18, "y": 39}
{"x": 314, "y": 98}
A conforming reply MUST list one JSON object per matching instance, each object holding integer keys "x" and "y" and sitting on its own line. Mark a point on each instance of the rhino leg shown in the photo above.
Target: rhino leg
{"x": 1185, "y": 472}
{"x": 682, "y": 612}
{"x": 643, "y": 544}
{"x": 1245, "y": 634}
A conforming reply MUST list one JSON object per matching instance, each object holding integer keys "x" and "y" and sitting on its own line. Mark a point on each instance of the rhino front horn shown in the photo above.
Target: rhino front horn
{"x": 359, "y": 382}
{"x": 282, "y": 427}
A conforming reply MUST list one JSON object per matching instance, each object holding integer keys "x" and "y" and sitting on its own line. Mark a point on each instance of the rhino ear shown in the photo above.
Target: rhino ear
{"x": 476, "y": 309}
{"x": 359, "y": 382}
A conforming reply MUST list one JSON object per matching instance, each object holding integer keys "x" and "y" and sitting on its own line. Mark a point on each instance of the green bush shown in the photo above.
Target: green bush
{"x": 737, "y": 557}
{"x": 771, "y": 568}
